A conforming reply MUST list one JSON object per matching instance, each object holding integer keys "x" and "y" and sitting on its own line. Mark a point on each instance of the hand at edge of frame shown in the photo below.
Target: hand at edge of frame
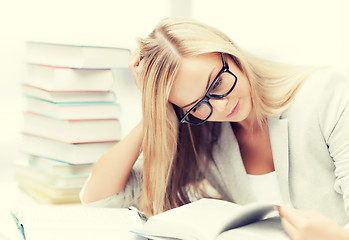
{"x": 308, "y": 225}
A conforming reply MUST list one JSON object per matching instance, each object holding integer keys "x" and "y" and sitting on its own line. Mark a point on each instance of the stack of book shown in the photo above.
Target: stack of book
{"x": 71, "y": 118}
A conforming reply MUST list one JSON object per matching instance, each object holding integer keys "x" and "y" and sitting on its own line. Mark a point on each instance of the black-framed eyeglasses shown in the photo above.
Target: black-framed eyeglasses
{"x": 221, "y": 87}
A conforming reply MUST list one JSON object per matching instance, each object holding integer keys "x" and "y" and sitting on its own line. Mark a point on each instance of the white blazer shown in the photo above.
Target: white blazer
{"x": 310, "y": 147}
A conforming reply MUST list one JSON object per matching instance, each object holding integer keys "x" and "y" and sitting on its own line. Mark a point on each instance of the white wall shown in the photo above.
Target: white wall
{"x": 107, "y": 22}
{"x": 297, "y": 31}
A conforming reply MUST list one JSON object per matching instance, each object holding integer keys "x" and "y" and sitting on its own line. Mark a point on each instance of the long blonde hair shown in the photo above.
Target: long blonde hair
{"x": 171, "y": 150}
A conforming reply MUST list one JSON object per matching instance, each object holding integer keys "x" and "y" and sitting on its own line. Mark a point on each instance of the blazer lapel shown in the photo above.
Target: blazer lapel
{"x": 230, "y": 166}
{"x": 232, "y": 170}
{"x": 278, "y": 131}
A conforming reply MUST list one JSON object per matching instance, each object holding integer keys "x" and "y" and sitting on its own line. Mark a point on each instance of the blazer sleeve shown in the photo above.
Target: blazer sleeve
{"x": 129, "y": 196}
{"x": 334, "y": 121}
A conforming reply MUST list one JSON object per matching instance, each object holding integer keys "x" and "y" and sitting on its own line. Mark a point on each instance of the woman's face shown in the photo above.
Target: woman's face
{"x": 195, "y": 75}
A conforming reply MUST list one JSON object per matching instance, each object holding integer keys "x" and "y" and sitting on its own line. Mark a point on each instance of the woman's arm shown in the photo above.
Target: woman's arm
{"x": 110, "y": 173}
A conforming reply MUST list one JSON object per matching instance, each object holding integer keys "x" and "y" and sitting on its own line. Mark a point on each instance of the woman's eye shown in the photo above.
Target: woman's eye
{"x": 196, "y": 108}
{"x": 217, "y": 83}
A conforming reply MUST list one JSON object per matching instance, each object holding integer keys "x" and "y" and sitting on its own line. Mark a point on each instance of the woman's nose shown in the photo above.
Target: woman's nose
{"x": 219, "y": 105}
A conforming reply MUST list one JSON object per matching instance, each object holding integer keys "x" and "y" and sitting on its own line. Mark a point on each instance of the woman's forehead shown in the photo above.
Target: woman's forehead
{"x": 194, "y": 73}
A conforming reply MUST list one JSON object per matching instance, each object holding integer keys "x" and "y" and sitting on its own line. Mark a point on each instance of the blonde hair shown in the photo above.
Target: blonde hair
{"x": 170, "y": 149}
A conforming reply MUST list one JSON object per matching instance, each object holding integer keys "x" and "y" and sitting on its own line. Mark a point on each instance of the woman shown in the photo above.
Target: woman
{"x": 214, "y": 115}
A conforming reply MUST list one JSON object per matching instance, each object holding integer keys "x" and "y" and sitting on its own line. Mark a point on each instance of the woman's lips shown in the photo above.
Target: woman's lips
{"x": 234, "y": 111}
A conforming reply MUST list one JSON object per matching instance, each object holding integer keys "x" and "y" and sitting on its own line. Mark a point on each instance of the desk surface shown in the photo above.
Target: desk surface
{"x": 114, "y": 224}
{"x": 11, "y": 197}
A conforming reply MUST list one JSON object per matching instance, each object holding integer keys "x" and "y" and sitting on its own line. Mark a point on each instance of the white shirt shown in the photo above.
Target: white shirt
{"x": 265, "y": 188}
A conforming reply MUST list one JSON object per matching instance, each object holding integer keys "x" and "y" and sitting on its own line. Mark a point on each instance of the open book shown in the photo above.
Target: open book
{"x": 209, "y": 219}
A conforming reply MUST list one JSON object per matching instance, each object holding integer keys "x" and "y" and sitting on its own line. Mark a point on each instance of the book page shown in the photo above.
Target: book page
{"x": 267, "y": 229}
{"x": 203, "y": 219}
{"x": 249, "y": 213}
{"x": 57, "y": 223}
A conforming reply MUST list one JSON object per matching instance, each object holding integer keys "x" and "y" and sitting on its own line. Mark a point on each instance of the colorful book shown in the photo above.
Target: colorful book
{"x": 54, "y": 167}
{"x": 73, "y": 111}
{"x": 44, "y": 198}
{"x": 80, "y": 153}
{"x": 72, "y": 131}
{"x": 52, "y": 78}
{"x": 24, "y": 169}
{"x": 76, "y": 56}
{"x": 47, "y": 188}
{"x": 71, "y": 118}
{"x": 68, "y": 96}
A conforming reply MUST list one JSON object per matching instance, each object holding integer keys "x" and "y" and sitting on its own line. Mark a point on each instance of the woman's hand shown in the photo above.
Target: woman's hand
{"x": 135, "y": 64}
{"x": 306, "y": 225}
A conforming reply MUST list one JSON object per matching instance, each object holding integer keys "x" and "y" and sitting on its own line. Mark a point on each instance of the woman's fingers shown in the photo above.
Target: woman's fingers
{"x": 134, "y": 61}
{"x": 293, "y": 216}
{"x": 289, "y": 228}
{"x": 135, "y": 65}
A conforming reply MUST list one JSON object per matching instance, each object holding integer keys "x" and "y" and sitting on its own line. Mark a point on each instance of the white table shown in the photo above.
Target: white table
{"x": 17, "y": 200}
{"x": 11, "y": 197}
